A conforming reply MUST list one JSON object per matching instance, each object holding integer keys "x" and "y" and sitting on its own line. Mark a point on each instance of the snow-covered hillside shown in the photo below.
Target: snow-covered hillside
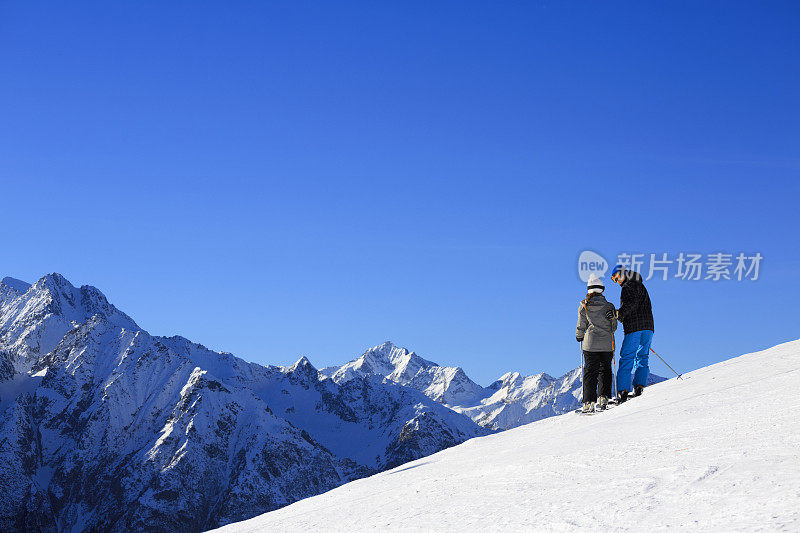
{"x": 716, "y": 451}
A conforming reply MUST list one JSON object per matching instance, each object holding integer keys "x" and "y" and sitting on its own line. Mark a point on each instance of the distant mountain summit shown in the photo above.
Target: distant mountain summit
{"x": 15, "y": 284}
{"x": 35, "y": 318}
{"x": 447, "y": 385}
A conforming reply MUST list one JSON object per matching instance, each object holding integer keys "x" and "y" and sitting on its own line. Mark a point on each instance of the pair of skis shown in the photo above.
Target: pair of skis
{"x": 597, "y": 409}
{"x": 611, "y": 402}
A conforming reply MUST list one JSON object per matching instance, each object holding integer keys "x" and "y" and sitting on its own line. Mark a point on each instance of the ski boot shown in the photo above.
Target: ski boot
{"x": 622, "y": 397}
{"x": 637, "y": 390}
{"x": 588, "y": 407}
{"x": 602, "y": 403}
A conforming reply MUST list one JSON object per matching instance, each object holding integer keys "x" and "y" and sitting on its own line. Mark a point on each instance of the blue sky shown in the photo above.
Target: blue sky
{"x": 285, "y": 178}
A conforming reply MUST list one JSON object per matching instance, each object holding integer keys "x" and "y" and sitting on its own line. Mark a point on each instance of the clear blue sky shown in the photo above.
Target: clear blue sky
{"x": 285, "y": 178}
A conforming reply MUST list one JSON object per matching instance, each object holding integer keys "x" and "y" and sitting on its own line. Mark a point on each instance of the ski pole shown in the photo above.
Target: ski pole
{"x": 614, "y": 365}
{"x": 614, "y": 375}
{"x": 662, "y": 360}
{"x": 582, "y": 362}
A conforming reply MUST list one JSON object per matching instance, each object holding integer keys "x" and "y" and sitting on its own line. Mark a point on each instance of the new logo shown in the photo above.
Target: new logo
{"x": 591, "y": 263}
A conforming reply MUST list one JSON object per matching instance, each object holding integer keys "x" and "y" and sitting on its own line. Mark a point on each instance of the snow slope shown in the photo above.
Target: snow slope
{"x": 717, "y": 451}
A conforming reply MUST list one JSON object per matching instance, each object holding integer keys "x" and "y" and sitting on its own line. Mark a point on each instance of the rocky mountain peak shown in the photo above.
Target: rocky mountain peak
{"x": 16, "y": 284}
{"x": 302, "y": 364}
{"x": 78, "y": 305}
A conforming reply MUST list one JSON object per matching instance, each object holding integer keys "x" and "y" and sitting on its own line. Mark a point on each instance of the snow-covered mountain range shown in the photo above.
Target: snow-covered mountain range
{"x": 106, "y": 427}
{"x": 509, "y": 402}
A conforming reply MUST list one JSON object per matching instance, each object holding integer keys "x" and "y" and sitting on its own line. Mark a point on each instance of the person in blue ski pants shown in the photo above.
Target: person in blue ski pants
{"x": 636, "y": 314}
{"x": 633, "y": 358}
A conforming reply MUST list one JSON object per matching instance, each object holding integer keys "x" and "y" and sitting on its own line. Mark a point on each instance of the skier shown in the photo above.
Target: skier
{"x": 595, "y": 331}
{"x": 636, "y": 315}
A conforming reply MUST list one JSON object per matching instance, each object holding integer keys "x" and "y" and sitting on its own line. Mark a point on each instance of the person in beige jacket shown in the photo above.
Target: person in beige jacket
{"x": 597, "y": 323}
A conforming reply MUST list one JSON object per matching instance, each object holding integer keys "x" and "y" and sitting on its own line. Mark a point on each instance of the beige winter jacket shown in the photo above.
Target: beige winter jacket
{"x": 595, "y": 328}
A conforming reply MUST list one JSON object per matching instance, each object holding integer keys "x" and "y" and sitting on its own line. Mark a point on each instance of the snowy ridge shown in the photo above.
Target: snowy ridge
{"x": 509, "y": 402}
{"x": 18, "y": 286}
{"x": 388, "y": 360}
{"x": 690, "y": 457}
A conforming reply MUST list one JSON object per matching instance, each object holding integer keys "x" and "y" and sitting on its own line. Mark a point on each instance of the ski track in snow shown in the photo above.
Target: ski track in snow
{"x": 716, "y": 451}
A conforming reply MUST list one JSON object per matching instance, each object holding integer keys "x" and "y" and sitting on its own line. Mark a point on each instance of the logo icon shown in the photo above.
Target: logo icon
{"x": 591, "y": 263}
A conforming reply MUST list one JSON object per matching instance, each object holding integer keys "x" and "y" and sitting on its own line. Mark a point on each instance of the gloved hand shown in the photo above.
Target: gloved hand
{"x": 579, "y": 339}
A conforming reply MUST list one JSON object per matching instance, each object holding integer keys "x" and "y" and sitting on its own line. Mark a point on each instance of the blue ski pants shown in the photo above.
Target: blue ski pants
{"x": 633, "y": 357}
